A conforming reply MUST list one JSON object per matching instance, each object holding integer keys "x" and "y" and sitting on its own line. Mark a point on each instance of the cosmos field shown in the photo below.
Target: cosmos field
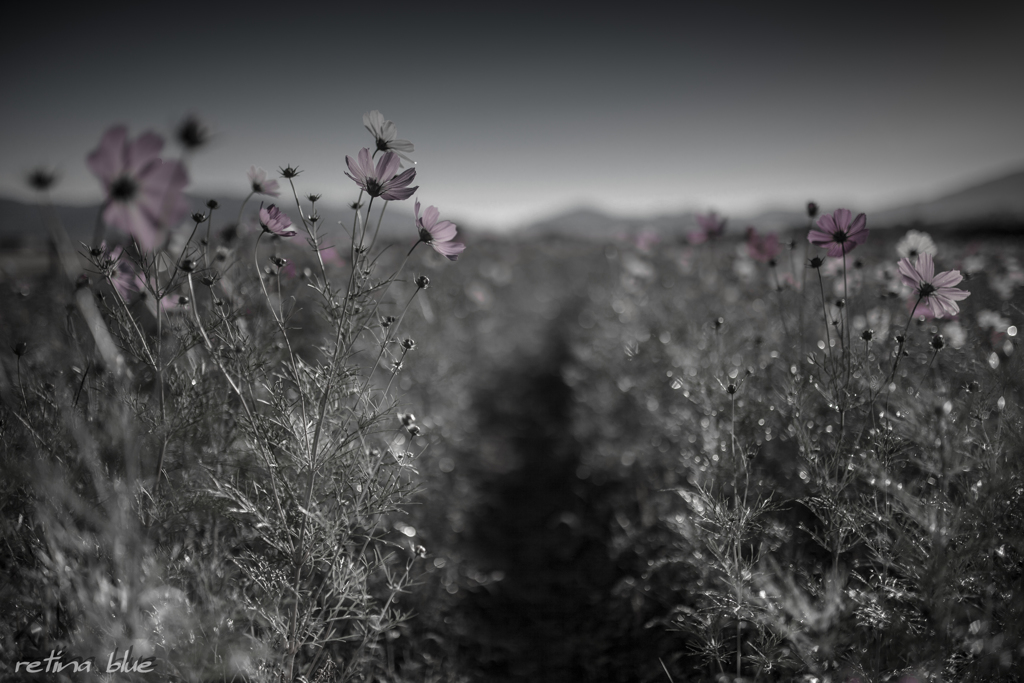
{"x": 710, "y": 455}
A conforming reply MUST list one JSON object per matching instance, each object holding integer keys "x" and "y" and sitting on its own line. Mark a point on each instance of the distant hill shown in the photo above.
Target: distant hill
{"x": 998, "y": 202}
{"x": 25, "y": 223}
{"x": 995, "y": 202}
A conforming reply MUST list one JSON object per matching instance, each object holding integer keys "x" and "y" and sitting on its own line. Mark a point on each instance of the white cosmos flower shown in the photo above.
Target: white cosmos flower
{"x": 916, "y": 242}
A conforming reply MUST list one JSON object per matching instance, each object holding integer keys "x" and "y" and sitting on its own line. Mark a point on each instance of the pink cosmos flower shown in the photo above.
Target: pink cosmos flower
{"x": 272, "y": 220}
{"x": 438, "y": 235}
{"x": 144, "y": 194}
{"x": 381, "y": 181}
{"x": 711, "y": 227}
{"x": 385, "y": 134}
{"x": 837, "y": 234}
{"x": 937, "y": 293}
{"x": 763, "y": 248}
{"x": 260, "y": 184}
{"x": 125, "y": 277}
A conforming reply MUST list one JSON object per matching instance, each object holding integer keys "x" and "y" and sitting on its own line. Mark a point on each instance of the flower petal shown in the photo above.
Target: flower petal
{"x": 449, "y": 249}
{"x": 953, "y": 294}
{"x": 819, "y": 238}
{"x": 398, "y": 194}
{"x": 842, "y": 218}
{"x": 107, "y": 161}
{"x": 836, "y": 250}
{"x": 143, "y": 151}
{"x": 387, "y": 166}
{"x": 950, "y": 278}
{"x": 926, "y": 267}
{"x": 826, "y": 223}
{"x": 443, "y": 232}
{"x": 911, "y": 277}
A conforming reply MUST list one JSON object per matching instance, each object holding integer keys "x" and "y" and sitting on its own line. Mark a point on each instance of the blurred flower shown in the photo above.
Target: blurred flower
{"x": 916, "y": 242}
{"x": 990, "y": 320}
{"x": 41, "y": 179}
{"x": 385, "y": 134}
{"x": 123, "y": 275}
{"x": 763, "y": 248}
{"x": 837, "y": 234}
{"x": 744, "y": 269}
{"x": 1004, "y": 283}
{"x": 711, "y": 227}
{"x": 438, "y": 235}
{"x": 937, "y": 293}
{"x": 143, "y": 193}
{"x": 260, "y": 184}
{"x": 381, "y": 181}
{"x": 955, "y": 334}
{"x": 272, "y": 220}
{"x": 330, "y": 256}
{"x": 973, "y": 264}
{"x": 644, "y": 240}
{"x": 191, "y": 133}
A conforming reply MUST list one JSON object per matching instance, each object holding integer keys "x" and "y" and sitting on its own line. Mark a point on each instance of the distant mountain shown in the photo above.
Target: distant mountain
{"x": 25, "y": 223}
{"x": 996, "y": 201}
{"x": 589, "y": 223}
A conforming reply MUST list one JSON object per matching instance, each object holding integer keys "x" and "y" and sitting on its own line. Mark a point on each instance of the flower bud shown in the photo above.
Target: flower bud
{"x": 192, "y": 134}
{"x": 19, "y": 349}
{"x": 408, "y": 344}
{"x": 812, "y": 209}
{"x": 423, "y": 282}
{"x": 867, "y": 335}
{"x": 187, "y": 265}
{"x": 938, "y": 341}
{"x": 212, "y": 204}
{"x": 41, "y": 179}
{"x": 198, "y": 217}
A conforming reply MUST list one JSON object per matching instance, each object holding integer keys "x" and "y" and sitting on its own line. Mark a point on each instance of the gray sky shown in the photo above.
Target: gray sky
{"x": 521, "y": 113}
